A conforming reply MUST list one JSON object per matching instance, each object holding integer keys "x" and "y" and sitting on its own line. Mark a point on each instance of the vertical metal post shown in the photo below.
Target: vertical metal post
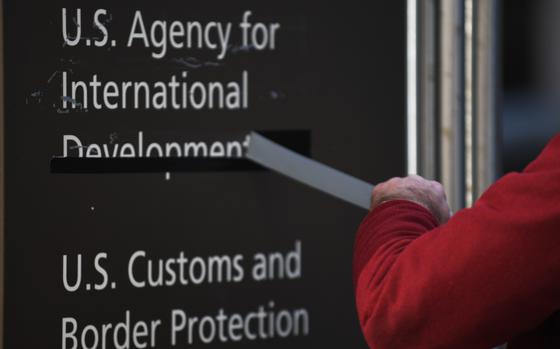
{"x": 481, "y": 32}
{"x": 411, "y": 86}
{"x": 427, "y": 89}
{"x": 469, "y": 100}
{"x": 485, "y": 95}
{"x": 451, "y": 104}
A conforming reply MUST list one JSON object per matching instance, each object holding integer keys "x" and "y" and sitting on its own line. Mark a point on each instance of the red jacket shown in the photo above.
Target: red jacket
{"x": 488, "y": 276}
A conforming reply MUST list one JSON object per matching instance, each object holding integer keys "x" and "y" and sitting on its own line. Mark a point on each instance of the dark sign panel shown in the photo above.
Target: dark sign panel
{"x": 132, "y": 218}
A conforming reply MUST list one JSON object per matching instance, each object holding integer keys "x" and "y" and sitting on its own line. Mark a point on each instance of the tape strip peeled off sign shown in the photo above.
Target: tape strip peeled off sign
{"x": 310, "y": 172}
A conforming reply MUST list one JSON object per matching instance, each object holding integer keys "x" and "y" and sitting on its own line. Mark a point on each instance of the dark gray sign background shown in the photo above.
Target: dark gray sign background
{"x": 340, "y": 69}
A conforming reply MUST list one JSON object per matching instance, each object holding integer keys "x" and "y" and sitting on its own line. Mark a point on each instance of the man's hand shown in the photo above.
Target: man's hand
{"x": 429, "y": 194}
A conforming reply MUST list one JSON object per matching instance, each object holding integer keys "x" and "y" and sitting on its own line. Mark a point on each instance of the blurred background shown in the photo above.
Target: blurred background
{"x": 530, "y": 76}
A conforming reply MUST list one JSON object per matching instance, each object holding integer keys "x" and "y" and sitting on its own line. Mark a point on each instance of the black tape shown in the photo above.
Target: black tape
{"x": 296, "y": 140}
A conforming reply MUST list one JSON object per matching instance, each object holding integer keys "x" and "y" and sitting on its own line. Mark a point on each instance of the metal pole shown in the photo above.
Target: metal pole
{"x": 411, "y": 86}
{"x": 451, "y": 104}
{"x": 427, "y": 89}
{"x": 469, "y": 100}
{"x": 485, "y": 95}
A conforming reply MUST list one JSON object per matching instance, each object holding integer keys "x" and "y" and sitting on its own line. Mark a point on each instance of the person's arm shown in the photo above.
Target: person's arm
{"x": 490, "y": 273}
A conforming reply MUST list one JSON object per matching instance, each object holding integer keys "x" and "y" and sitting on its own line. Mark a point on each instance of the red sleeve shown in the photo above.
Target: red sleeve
{"x": 490, "y": 273}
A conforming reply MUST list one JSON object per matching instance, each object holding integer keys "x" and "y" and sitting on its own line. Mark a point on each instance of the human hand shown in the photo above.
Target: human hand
{"x": 429, "y": 194}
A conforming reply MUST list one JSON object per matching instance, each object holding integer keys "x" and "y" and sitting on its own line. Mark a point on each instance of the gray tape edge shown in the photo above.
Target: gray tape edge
{"x": 307, "y": 171}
